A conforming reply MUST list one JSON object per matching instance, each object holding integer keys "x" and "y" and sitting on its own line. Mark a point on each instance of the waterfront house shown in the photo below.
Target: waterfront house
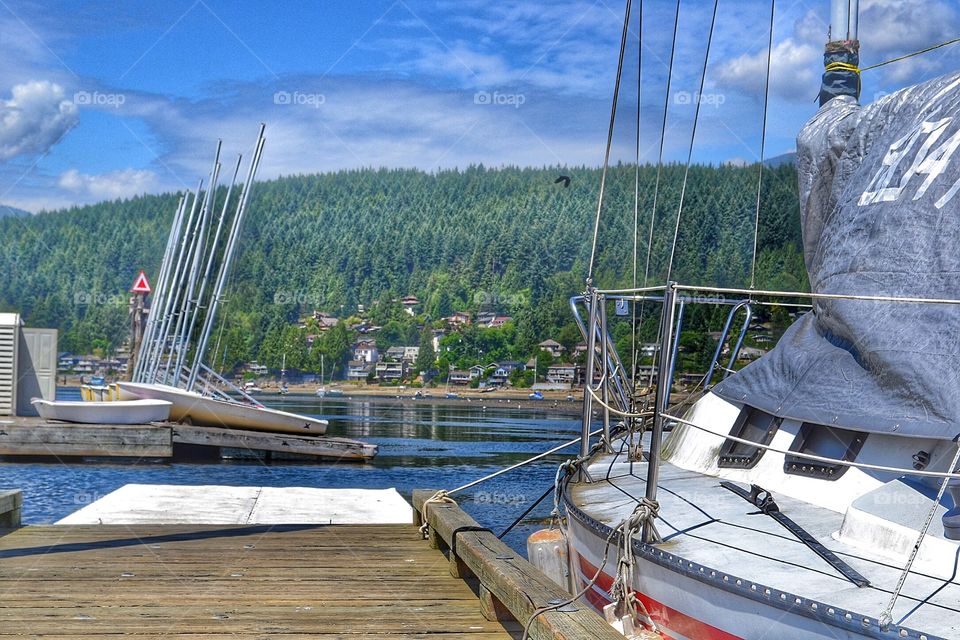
{"x": 477, "y": 371}
{"x": 498, "y": 321}
{"x": 358, "y": 370}
{"x": 410, "y": 304}
{"x": 458, "y": 376}
{"x": 458, "y": 320}
{"x": 391, "y": 371}
{"x": 564, "y": 373}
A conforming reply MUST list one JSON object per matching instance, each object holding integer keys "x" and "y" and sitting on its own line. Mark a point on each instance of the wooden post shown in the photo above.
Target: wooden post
{"x": 10, "y": 506}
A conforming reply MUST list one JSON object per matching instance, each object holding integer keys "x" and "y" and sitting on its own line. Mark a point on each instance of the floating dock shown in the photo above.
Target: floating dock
{"x": 36, "y": 437}
{"x": 295, "y": 580}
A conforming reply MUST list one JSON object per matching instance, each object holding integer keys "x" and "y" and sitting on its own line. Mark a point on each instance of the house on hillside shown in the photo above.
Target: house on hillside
{"x": 498, "y": 321}
{"x": 410, "y": 304}
{"x": 366, "y": 351}
{"x": 552, "y": 347}
{"x": 458, "y": 320}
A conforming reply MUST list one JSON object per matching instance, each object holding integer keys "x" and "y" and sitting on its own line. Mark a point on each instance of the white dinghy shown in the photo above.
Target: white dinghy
{"x": 139, "y": 411}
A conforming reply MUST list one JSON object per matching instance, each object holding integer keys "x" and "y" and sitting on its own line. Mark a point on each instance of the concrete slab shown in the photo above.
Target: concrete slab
{"x": 215, "y": 504}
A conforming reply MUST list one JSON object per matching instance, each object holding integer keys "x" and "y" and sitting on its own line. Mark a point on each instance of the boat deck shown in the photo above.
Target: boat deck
{"x": 704, "y": 523}
{"x": 233, "y": 582}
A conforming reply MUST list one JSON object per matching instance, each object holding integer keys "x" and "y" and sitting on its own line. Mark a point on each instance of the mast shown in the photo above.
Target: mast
{"x": 841, "y": 58}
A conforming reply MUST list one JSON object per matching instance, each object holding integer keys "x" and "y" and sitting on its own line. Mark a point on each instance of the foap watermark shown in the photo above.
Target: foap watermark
{"x": 499, "y": 498}
{"x": 482, "y": 298}
{"x": 91, "y": 298}
{"x": 710, "y": 99}
{"x": 299, "y": 99}
{"x": 99, "y": 99}
{"x": 85, "y": 497}
{"x": 298, "y": 297}
{"x": 499, "y": 99}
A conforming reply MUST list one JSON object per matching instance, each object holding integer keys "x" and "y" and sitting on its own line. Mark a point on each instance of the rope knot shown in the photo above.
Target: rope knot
{"x": 439, "y": 497}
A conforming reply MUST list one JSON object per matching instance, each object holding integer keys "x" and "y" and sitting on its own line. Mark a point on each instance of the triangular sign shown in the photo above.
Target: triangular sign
{"x": 140, "y": 285}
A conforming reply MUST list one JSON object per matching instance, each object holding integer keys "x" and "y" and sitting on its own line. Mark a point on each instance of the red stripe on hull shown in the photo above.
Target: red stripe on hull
{"x": 663, "y": 615}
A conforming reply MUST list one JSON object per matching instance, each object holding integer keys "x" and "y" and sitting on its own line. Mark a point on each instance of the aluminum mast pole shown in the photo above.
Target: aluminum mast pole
{"x": 208, "y": 318}
{"x": 190, "y": 317}
{"x": 190, "y": 275}
{"x": 234, "y": 234}
{"x": 177, "y": 282}
{"x": 149, "y": 373}
{"x": 157, "y": 293}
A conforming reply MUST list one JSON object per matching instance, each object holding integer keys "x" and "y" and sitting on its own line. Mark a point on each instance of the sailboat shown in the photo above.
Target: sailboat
{"x": 814, "y": 493}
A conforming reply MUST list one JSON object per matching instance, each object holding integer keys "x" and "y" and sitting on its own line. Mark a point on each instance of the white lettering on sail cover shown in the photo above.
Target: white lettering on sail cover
{"x": 924, "y": 162}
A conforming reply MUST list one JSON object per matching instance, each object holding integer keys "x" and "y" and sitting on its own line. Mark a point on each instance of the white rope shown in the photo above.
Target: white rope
{"x": 816, "y": 458}
{"x": 614, "y": 410}
{"x": 886, "y": 618}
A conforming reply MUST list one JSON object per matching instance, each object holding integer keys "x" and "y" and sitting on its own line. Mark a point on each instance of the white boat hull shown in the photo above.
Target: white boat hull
{"x": 687, "y": 601}
{"x": 200, "y": 410}
{"x": 137, "y": 411}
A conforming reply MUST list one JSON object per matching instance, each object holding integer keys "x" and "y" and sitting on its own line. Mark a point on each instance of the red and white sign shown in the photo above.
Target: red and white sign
{"x": 140, "y": 285}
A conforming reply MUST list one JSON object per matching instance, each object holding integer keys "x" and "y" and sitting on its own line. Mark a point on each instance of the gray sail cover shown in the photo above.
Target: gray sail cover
{"x": 881, "y": 216}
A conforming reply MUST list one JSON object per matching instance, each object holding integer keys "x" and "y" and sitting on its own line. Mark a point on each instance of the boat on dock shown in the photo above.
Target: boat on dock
{"x": 813, "y": 493}
{"x": 136, "y": 411}
{"x": 193, "y": 408}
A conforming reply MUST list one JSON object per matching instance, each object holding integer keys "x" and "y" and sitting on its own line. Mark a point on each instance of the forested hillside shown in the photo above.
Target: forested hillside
{"x": 508, "y": 239}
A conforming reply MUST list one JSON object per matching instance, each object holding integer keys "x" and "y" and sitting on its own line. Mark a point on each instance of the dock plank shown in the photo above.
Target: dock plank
{"x": 56, "y": 439}
{"x": 322, "y": 581}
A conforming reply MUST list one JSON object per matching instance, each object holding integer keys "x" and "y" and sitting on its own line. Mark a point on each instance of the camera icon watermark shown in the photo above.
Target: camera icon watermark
{"x": 99, "y": 99}
{"x": 299, "y": 99}
{"x": 714, "y": 100}
{"x": 499, "y": 99}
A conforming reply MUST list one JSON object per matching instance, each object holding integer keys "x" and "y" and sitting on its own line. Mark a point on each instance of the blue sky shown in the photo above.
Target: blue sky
{"x": 101, "y": 99}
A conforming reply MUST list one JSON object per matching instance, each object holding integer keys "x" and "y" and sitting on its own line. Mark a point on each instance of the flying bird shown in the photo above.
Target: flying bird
{"x": 564, "y": 179}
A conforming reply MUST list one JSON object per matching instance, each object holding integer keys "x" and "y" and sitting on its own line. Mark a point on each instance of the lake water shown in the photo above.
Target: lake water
{"x": 422, "y": 446}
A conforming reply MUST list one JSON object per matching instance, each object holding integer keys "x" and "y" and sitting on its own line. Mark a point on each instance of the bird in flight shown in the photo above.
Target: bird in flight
{"x": 564, "y": 179}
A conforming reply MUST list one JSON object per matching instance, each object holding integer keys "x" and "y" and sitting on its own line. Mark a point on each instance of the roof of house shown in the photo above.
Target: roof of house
{"x": 549, "y": 343}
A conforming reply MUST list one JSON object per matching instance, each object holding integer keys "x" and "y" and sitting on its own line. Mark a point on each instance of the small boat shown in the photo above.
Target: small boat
{"x": 139, "y": 411}
{"x": 323, "y": 392}
{"x": 450, "y": 395}
{"x": 193, "y": 408}
{"x": 536, "y": 395}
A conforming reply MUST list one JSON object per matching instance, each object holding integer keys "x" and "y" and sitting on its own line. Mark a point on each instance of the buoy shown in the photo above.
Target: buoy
{"x": 548, "y": 551}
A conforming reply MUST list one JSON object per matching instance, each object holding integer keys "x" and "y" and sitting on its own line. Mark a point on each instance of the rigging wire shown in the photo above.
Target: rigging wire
{"x": 693, "y": 136}
{"x": 656, "y": 184}
{"x": 606, "y": 155}
{"x": 763, "y": 148}
{"x": 636, "y": 192}
{"x": 910, "y": 55}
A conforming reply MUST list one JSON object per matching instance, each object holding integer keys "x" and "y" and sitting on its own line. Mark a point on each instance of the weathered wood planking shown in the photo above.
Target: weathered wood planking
{"x": 509, "y": 582}
{"x": 39, "y": 438}
{"x": 233, "y": 581}
{"x": 323, "y": 446}
{"x": 11, "y": 503}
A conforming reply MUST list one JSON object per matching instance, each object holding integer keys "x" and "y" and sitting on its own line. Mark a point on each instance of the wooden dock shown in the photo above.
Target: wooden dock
{"x": 36, "y": 437}
{"x": 319, "y": 581}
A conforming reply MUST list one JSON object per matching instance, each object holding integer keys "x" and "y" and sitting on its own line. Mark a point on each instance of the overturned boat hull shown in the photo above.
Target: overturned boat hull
{"x": 136, "y": 411}
{"x": 193, "y": 408}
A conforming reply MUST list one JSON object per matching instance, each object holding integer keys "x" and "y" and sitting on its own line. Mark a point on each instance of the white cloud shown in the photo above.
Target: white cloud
{"x": 34, "y": 119}
{"x": 108, "y": 186}
{"x": 793, "y": 70}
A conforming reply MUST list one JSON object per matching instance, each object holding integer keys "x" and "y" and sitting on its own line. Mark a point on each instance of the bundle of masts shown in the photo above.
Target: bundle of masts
{"x": 187, "y": 295}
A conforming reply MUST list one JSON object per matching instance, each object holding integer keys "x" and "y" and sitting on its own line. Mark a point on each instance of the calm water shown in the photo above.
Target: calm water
{"x": 422, "y": 446}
